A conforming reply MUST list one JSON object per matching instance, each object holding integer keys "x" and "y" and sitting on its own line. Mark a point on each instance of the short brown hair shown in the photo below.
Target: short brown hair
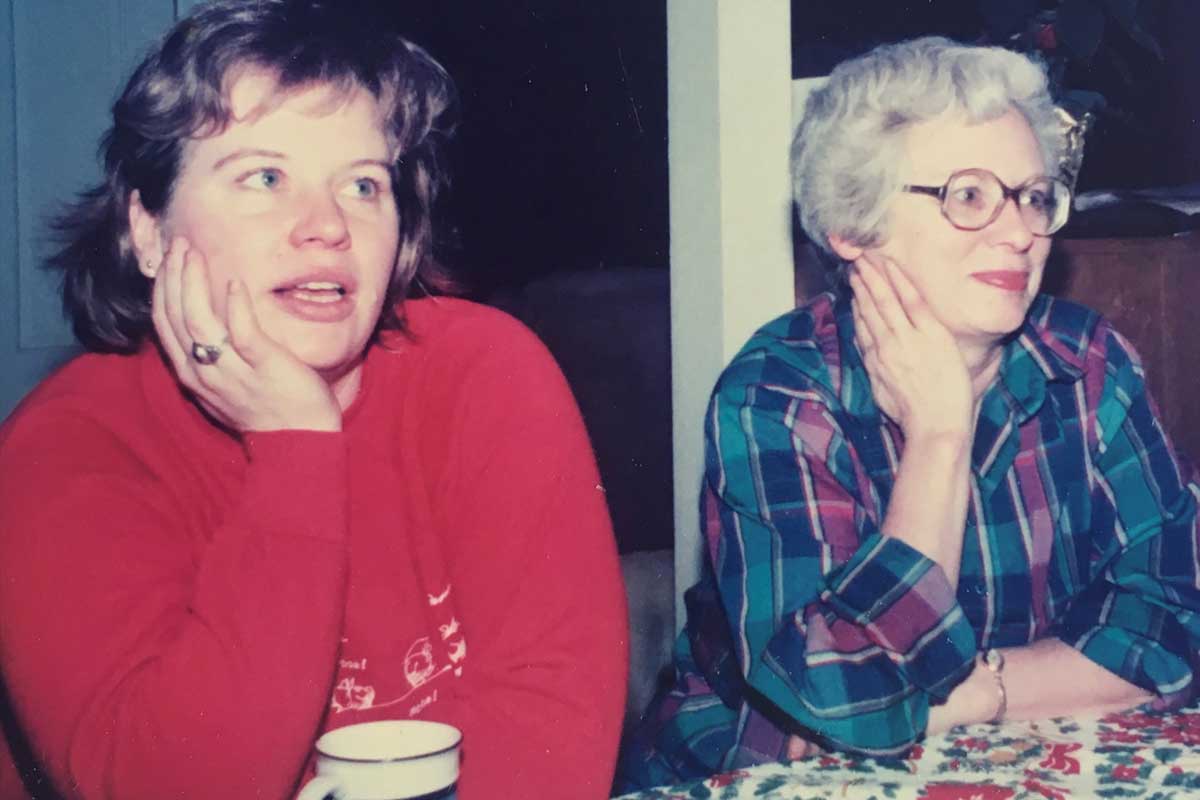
{"x": 179, "y": 91}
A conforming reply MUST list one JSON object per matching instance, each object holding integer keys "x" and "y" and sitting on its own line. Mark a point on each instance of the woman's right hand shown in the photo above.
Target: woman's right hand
{"x": 255, "y": 384}
{"x": 917, "y": 373}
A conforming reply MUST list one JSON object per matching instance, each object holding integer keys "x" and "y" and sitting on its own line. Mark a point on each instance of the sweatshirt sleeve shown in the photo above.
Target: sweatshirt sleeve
{"x": 850, "y": 633}
{"x": 143, "y": 660}
{"x": 1139, "y": 614}
{"x": 538, "y": 584}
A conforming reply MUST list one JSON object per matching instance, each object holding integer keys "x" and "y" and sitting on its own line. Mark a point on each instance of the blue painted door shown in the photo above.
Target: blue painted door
{"x": 61, "y": 65}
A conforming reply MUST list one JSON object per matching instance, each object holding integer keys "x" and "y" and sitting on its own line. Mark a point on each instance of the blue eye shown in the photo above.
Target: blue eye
{"x": 267, "y": 178}
{"x": 365, "y": 188}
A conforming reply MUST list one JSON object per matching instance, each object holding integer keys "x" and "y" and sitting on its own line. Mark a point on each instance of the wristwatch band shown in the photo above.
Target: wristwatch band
{"x": 994, "y": 661}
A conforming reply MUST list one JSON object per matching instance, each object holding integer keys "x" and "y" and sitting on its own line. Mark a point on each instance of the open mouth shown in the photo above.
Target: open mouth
{"x": 314, "y": 291}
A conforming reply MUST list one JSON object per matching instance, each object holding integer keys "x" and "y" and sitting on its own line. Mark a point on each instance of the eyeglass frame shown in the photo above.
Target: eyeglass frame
{"x": 1007, "y": 193}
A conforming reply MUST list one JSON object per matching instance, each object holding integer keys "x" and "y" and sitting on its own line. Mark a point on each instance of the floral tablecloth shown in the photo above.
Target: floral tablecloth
{"x": 1129, "y": 754}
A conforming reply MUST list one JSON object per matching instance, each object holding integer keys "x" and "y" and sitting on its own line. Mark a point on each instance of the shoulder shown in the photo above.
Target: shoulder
{"x": 1081, "y": 337}
{"x": 91, "y": 386}
{"x": 800, "y": 352}
{"x": 457, "y": 346}
{"x": 85, "y": 419}
{"x": 450, "y": 328}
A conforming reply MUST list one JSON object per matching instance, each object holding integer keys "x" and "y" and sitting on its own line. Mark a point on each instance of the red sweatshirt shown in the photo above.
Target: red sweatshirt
{"x": 182, "y": 614}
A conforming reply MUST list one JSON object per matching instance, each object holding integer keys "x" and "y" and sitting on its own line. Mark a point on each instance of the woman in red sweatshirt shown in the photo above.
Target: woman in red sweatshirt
{"x": 281, "y": 495}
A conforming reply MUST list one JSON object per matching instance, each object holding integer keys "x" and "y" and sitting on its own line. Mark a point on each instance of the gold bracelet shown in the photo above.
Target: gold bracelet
{"x": 994, "y": 661}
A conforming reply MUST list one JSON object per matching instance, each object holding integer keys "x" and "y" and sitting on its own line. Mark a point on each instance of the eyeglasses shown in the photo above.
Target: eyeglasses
{"x": 972, "y": 199}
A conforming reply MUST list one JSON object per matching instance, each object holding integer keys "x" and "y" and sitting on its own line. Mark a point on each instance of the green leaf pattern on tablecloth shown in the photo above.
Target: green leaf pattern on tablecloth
{"x": 1135, "y": 754}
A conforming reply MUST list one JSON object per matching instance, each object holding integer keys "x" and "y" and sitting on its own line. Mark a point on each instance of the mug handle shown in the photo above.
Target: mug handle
{"x": 320, "y": 788}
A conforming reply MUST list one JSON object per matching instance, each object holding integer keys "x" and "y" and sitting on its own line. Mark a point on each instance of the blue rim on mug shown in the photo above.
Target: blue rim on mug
{"x": 393, "y": 759}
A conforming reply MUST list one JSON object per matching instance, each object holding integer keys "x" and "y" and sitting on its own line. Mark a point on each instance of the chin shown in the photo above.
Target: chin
{"x": 322, "y": 347}
{"x": 327, "y": 361}
{"x": 1005, "y": 325}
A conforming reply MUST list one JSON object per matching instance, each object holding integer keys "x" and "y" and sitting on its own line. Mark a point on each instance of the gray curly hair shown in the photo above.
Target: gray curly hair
{"x": 846, "y": 152}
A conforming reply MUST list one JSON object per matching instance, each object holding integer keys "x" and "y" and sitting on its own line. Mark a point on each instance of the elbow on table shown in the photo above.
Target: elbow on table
{"x": 885, "y": 724}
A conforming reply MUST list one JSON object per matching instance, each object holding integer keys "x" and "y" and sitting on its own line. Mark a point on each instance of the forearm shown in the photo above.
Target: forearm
{"x": 888, "y": 631}
{"x": 928, "y": 506}
{"x": 1047, "y": 678}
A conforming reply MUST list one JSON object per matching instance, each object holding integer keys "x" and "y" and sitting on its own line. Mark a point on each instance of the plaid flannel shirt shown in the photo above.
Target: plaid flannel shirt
{"x": 1081, "y": 524}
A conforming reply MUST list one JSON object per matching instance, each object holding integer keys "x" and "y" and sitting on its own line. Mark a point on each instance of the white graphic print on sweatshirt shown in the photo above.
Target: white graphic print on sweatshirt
{"x": 426, "y": 659}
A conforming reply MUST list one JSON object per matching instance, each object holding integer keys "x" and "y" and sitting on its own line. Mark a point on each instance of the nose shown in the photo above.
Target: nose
{"x": 1010, "y": 228}
{"x": 320, "y": 220}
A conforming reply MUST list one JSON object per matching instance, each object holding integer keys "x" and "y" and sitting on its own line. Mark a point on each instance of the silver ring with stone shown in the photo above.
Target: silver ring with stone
{"x": 205, "y": 354}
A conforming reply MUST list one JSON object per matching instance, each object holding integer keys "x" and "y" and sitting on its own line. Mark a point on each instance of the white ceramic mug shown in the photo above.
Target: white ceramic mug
{"x": 389, "y": 760}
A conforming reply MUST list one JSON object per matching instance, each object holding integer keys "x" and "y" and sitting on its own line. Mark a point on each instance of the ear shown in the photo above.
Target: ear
{"x": 145, "y": 233}
{"x": 845, "y": 249}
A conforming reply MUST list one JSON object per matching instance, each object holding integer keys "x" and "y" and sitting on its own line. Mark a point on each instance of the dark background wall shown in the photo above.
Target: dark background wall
{"x": 560, "y": 160}
{"x": 1150, "y": 138}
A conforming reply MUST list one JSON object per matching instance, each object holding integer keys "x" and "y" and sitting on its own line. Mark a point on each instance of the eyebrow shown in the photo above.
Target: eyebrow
{"x": 373, "y": 162}
{"x": 249, "y": 152}
{"x": 246, "y": 152}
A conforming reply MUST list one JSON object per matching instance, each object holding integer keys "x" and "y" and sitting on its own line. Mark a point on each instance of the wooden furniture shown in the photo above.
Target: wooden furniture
{"x": 1150, "y": 290}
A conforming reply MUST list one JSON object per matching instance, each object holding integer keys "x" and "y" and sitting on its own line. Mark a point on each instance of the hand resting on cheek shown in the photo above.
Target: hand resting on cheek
{"x": 917, "y": 373}
{"x": 255, "y": 384}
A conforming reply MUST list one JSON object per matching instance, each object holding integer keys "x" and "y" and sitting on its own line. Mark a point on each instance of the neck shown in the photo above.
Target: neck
{"x": 983, "y": 364}
{"x": 345, "y": 385}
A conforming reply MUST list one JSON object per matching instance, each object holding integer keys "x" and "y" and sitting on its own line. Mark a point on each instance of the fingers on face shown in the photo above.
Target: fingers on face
{"x": 245, "y": 335}
{"x": 199, "y": 320}
{"x": 161, "y": 314}
{"x": 170, "y": 274}
{"x": 870, "y": 323}
{"x": 883, "y": 293}
{"x": 862, "y": 331}
{"x": 909, "y": 296}
{"x": 183, "y": 315}
{"x": 864, "y": 295}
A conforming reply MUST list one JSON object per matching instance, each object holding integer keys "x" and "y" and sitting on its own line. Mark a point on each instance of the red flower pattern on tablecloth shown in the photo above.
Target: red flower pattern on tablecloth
{"x": 973, "y": 743}
{"x": 1124, "y": 772}
{"x": 1140, "y": 755}
{"x": 1045, "y": 790}
{"x": 726, "y": 778}
{"x": 967, "y": 791}
{"x": 1134, "y": 720}
{"x": 1186, "y": 731}
{"x": 1058, "y": 758}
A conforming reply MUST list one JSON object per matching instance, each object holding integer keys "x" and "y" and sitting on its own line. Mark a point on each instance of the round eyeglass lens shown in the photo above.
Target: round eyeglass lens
{"x": 1044, "y": 205}
{"x": 972, "y": 198}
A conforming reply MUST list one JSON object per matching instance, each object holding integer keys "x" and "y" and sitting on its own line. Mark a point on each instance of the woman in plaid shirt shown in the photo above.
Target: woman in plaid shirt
{"x": 933, "y": 496}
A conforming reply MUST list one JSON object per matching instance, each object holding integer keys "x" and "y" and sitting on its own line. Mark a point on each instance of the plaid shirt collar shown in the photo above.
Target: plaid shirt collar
{"x": 1033, "y": 358}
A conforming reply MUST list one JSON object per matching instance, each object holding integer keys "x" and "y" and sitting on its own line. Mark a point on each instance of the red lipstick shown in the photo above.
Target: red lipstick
{"x": 1010, "y": 280}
